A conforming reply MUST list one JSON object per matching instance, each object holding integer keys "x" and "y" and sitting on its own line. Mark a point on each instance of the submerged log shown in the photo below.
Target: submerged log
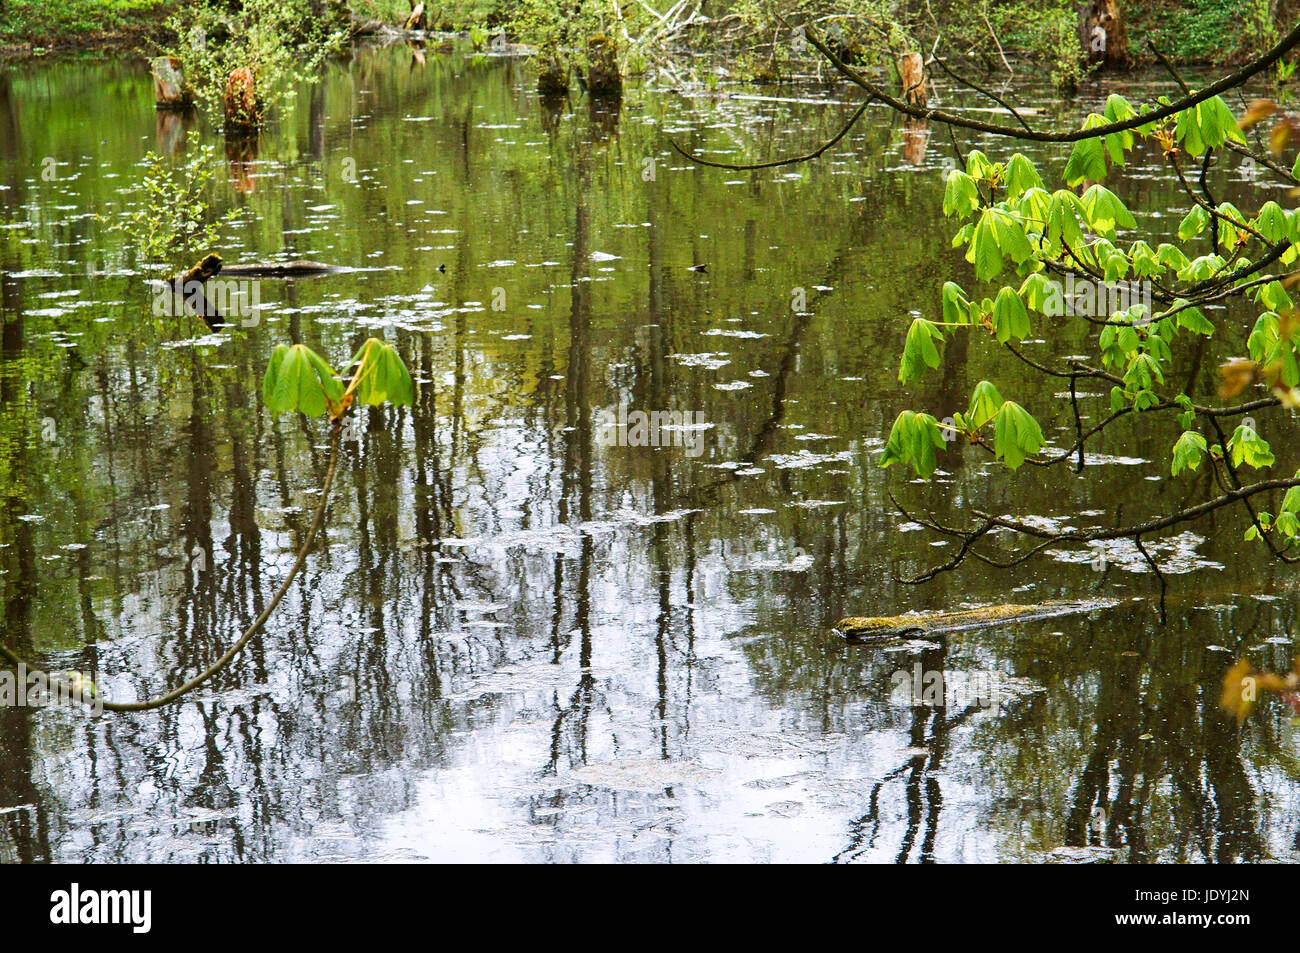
{"x": 911, "y": 71}
{"x": 280, "y": 269}
{"x": 169, "y": 88}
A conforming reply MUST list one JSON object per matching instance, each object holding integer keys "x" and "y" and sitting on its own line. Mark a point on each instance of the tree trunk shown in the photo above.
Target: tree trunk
{"x": 1102, "y": 33}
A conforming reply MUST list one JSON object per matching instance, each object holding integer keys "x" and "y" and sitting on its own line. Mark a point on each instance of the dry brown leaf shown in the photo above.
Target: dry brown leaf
{"x": 1257, "y": 110}
{"x": 1240, "y": 693}
{"x": 1279, "y": 137}
{"x": 1237, "y": 373}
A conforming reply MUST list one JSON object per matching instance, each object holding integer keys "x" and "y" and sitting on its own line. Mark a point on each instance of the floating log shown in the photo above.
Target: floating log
{"x": 169, "y": 88}
{"x": 911, "y": 70}
{"x": 925, "y": 624}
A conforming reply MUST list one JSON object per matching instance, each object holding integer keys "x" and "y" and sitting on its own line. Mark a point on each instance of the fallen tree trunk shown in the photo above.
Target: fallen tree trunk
{"x": 923, "y": 624}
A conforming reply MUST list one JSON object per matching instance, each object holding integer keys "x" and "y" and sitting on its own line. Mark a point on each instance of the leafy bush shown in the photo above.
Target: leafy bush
{"x": 277, "y": 39}
{"x": 168, "y": 215}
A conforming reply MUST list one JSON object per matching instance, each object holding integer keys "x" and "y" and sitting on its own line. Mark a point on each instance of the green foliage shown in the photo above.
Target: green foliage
{"x": 1016, "y": 434}
{"x": 1088, "y": 158}
{"x": 913, "y": 439}
{"x": 1006, "y": 215}
{"x": 379, "y": 375}
{"x": 279, "y": 40}
{"x": 1206, "y": 125}
{"x": 985, "y": 402}
{"x": 920, "y": 350}
{"x": 168, "y": 214}
{"x": 563, "y": 35}
{"x": 1249, "y": 448}
{"x": 42, "y": 23}
{"x": 1010, "y": 319}
{"x": 1189, "y": 451}
{"x": 297, "y": 378}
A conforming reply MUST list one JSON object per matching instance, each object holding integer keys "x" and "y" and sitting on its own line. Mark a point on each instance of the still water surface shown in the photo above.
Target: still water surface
{"x": 523, "y": 643}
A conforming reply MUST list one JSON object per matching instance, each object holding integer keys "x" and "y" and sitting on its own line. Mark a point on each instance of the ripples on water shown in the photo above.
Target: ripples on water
{"x": 522, "y": 644}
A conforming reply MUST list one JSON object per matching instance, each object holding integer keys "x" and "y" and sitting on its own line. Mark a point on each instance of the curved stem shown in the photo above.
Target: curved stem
{"x": 252, "y": 630}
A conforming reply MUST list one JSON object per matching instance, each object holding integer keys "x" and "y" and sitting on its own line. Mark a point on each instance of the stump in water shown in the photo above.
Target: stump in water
{"x": 243, "y": 111}
{"x": 169, "y": 88}
{"x": 416, "y": 20}
{"x": 552, "y": 74}
{"x": 603, "y": 77}
{"x": 911, "y": 71}
{"x": 1102, "y": 33}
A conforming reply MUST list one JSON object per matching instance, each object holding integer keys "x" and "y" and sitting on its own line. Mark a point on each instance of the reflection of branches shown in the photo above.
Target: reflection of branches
{"x": 318, "y": 519}
{"x": 1048, "y": 538}
{"x": 857, "y": 114}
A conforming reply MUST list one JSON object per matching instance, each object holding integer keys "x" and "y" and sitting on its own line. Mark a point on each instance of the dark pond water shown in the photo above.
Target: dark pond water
{"x": 522, "y": 643}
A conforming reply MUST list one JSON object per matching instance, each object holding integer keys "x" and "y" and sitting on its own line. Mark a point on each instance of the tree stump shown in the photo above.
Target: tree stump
{"x": 416, "y": 20}
{"x": 243, "y": 112}
{"x": 1102, "y": 33}
{"x": 911, "y": 71}
{"x": 603, "y": 77}
{"x": 552, "y": 73}
{"x": 169, "y": 88}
